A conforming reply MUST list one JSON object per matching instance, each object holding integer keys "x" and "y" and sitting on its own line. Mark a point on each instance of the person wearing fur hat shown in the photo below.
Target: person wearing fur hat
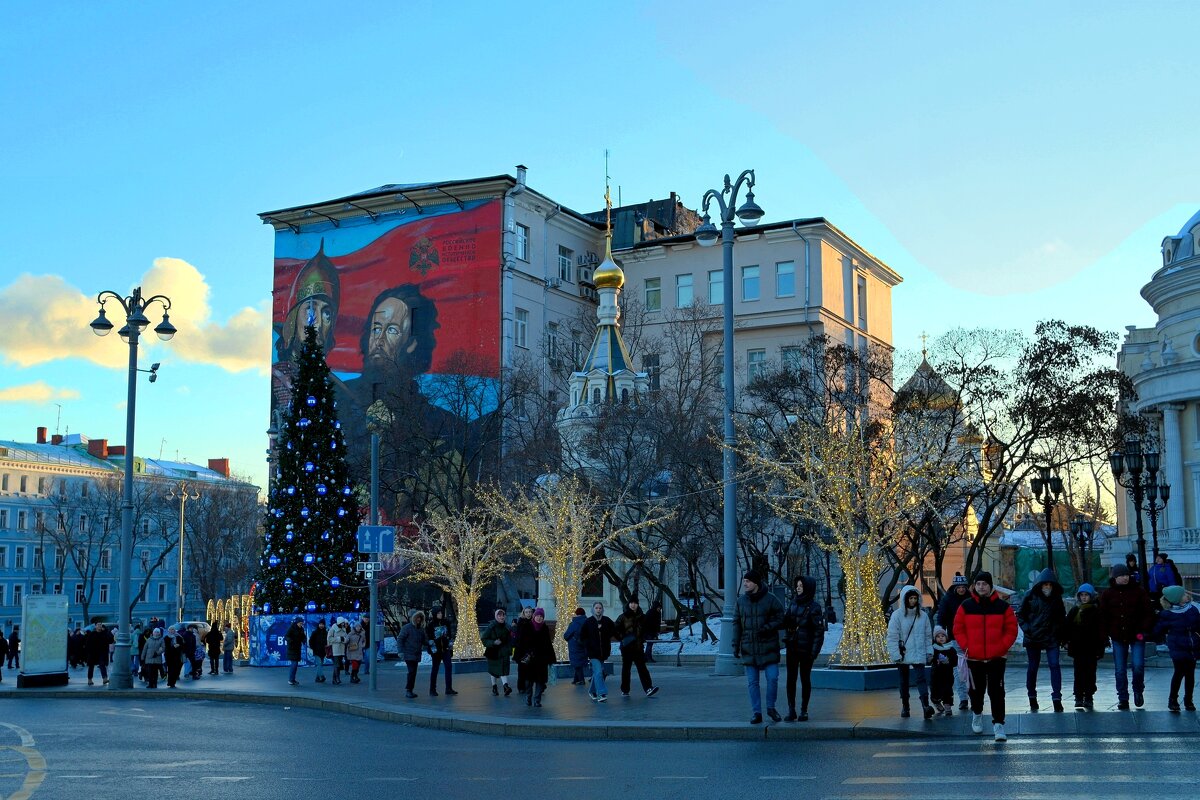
{"x": 910, "y": 645}
{"x": 534, "y": 650}
{"x": 497, "y": 649}
{"x": 410, "y": 643}
{"x": 943, "y": 672}
{"x": 336, "y": 641}
{"x": 1179, "y": 620}
{"x": 757, "y": 618}
{"x": 1161, "y": 576}
{"x": 1127, "y": 617}
{"x": 1041, "y": 617}
{"x": 947, "y": 608}
{"x": 986, "y": 627}
{"x": 1085, "y": 641}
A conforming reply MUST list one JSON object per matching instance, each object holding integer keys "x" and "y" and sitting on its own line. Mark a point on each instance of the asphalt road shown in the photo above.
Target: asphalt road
{"x": 201, "y": 749}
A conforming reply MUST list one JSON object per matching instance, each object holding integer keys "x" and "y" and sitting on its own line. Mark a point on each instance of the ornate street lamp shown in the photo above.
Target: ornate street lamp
{"x": 1047, "y": 489}
{"x": 706, "y": 235}
{"x": 1083, "y": 529}
{"x": 1137, "y": 473}
{"x": 134, "y": 307}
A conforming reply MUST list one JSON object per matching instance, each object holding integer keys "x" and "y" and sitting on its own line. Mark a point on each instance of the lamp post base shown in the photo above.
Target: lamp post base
{"x": 726, "y": 664}
{"x": 120, "y": 676}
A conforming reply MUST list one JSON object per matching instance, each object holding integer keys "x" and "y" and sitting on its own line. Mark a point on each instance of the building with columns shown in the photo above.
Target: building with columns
{"x": 1164, "y": 365}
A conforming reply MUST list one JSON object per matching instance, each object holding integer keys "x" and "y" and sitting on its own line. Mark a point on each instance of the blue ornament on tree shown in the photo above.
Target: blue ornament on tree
{"x": 312, "y": 401}
{"x": 348, "y": 558}
{"x": 309, "y": 466}
{"x": 325, "y": 536}
{"x": 341, "y": 512}
{"x": 303, "y": 423}
{"x": 291, "y": 490}
{"x": 322, "y": 489}
{"x": 288, "y": 583}
{"x": 346, "y": 491}
{"x": 335, "y": 582}
{"x": 308, "y": 558}
{"x": 304, "y": 512}
{"x": 289, "y": 536}
{"x": 311, "y": 606}
{"x": 266, "y": 608}
{"x": 273, "y": 560}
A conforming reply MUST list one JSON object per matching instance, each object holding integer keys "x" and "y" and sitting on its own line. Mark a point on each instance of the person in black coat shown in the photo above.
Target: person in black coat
{"x": 295, "y": 638}
{"x": 534, "y": 650}
{"x": 803, "y": 637}
{"x": 173, "y": 655}
{"x": 947, "y": 608}
{"x": 318, "y": 642}
{"x": 1084, "y": 637}
{"x": 3, "y": 652}
{"x": 95, "y": 651}
{"x": 439, "y": 638}
{"x": 651, "y": 626}
{"x": 524, "y": 619}
{"x": 631, "y": 633}
{"x": 190, "y": 643}
{"x": 1042, "y": 616}
{"x": 14, "y": 648}
{"x": 74, "y": 648}
{"x": 597, "y": 636}
{"x": 212, "y": 641}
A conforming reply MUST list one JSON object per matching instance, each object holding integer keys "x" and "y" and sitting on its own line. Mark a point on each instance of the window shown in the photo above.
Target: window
{"x": 106, "y": 558}
{"x": 79, "y": 593}
{"x": 83, "y": 489}
{"x": 756, "y": 362}
{"x": 862, "y": 303}
{"x": 552, "y": 345}
{"x": 749, "y": 283}
{"x": 521, "y": 328}
{"x": 41, "y": 485}
{"x": 523, "y": 242}
{"x": 104, "y": 593}
{"x": 35, "y": 588}
{"x": 162, "y": 592}
{"x": 19, "y": 558}
{"x": 37, "y": 558}
{"x": 785, "y": 279}
{"x": 716, "y": 286}
{"x": 145, "y": 561}
{"x": 18, "y": 591}
{"x": 2, "y": 588}
{"x": 653, "y": 294}
{"x": 4, "y": 482}
{"x": 565, "y": 257}
{"x": 24, "y": 483}
{"x": 60, "y": 558}
{"x": 22, "y": 520}
{"x": 683, "y": 291}
{"x": 145, "y": 527}
{"x": 651, "y": 366}
{"x": 62, "y": 488}
{"x": 62, "y": 522}
{"x": 3, "y": 557}
{"x": 792, "y": 358}
{"x": 3, "y": 519}
{"x": 83, "y": 523}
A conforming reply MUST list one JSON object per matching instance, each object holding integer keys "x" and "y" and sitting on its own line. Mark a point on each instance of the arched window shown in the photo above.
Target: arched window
{"x": 595, "y": 395}
{"x": 624, "y": 396}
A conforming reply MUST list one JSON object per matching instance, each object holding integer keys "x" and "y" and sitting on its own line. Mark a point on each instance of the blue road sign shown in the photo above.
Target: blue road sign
{"x": 376, "y": 539}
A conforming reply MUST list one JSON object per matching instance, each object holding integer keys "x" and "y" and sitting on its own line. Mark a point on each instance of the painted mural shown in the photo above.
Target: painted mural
{"x": 400, "y": 303}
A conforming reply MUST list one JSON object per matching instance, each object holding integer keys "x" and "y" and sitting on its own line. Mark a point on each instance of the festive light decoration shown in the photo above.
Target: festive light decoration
{"x": 562, "y": 527}
{"x": 310, "y": 526}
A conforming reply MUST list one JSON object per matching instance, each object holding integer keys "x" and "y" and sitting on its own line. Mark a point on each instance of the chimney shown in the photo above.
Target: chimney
{"x": 522, "y": 170}
{"x": 116, "y": 450}
{"x": 56, "y": 439}
{"x": 41, "y": 435}
{"x": 220, "y": 465}
{"x": 98, "y": 448}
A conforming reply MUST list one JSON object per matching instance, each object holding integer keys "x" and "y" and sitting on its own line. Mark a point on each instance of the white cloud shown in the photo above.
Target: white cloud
{"x": 183, "y": 390}
{"x": 46, "y": 319}
{"x": 36, "y": 392}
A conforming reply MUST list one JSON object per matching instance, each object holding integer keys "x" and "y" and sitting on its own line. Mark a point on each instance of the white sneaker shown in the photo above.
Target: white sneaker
{"x": 976, "y": 723}
{"x": 1001, "y": 736}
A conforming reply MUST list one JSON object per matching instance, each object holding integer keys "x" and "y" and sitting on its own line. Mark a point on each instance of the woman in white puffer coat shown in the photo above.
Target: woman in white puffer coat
{"x": 338, "y": 635}
{"x": 910, "y": 645}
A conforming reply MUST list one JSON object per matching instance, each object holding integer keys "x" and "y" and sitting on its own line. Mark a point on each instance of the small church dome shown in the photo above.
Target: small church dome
{"x": 608, "y": 275}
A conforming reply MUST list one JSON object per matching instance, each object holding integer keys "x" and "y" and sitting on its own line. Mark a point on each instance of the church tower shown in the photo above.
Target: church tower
{"x": 607, "y": 377}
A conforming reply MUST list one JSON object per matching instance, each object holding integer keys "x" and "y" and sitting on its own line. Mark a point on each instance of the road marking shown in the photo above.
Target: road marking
{"x": 155, "y": 777}
{"x": 64, "y": 777}
{"x": 906, "y": 779}
{"x": 787, "y": 777}
{"x": 1061, "y": 740}
{"x": 179, "y": 764}
{"x": 35, "y": 776}
{"x": 579, "y": 778}
{"x": 225, "y": 778}
{"x": 988, "y": 750}
{"x": 26, "y": 736}
{"x": 680, "y": 777}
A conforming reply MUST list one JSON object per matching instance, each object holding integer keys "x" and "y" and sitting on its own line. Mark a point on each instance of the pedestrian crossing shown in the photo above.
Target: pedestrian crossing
{"x": 1051, "y": 768}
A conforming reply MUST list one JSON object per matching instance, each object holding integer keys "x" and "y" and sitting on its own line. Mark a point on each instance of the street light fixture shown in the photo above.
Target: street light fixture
{"x": 1137, "y": 473}
{"x": 134, "y": 307}
{"x": 1047, "y": 489}
{"x": 1083, "y": 529}
{"x": 183, "y": 492}
{"x": 706, "y": 235}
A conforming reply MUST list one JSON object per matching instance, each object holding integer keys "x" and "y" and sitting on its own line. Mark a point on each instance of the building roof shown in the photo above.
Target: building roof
{"x": 927, "y": 388}
{"x": 1185, "y": 245}
{"x": 77, "y": 456}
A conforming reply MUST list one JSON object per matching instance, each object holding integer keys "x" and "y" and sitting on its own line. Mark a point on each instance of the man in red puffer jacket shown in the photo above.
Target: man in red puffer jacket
{"x": 986, "y": 627}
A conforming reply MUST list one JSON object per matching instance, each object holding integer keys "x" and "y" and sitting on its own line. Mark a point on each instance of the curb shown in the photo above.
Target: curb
{"x": 532, "y": 729}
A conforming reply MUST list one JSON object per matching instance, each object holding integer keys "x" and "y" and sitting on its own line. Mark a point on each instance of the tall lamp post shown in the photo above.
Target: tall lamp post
{"x": 1155, "y": 492}
{"x": 1083, "y": 529}
{"x": 1047, "y": 489}
{"x": 183, "y": 492}
{"x": 1136, "y": 472}
{"x": 706, "y": 235}
{"x": 134, "y": 308}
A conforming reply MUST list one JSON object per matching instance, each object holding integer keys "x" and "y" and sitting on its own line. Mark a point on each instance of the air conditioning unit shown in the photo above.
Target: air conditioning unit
{"x": 588, "y": 258}
{"x": 553, "y": 283}
{"x": 583, "y": 274}
{"x": 586, "y": 290}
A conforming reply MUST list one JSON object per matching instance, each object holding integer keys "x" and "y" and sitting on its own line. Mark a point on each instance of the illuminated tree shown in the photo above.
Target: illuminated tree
{"x": 461, "y": 553}
{"x": 562, "y": 526}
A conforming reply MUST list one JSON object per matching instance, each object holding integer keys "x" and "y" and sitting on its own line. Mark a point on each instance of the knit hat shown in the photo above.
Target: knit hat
{"x": 1174, "y": 595}
{"x": 939, "y": 629}
{"x": 986, "y": 577}
{"x": 753, "y": 577}
{"x": 1088, "y": 588}
{"x": 539, "y": 611}
{"x": 579, "y": 612}
{"x": 959, "y": 579}
{"x": 1120, "y": 571}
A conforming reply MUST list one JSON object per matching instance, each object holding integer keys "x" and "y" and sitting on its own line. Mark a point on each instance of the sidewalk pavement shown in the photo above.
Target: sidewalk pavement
{"x": 691, "y": 704}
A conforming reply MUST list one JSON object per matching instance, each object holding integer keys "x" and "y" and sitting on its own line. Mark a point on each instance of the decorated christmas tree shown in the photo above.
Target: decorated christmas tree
{"x": 308, "y": 561}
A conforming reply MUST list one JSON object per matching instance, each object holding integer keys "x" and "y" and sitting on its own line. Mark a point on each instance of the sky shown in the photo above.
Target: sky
{"x": 1013, "y": 162}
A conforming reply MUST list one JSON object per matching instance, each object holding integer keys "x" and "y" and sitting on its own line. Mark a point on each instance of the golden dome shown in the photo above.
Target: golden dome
{"x": 608, "y": 275}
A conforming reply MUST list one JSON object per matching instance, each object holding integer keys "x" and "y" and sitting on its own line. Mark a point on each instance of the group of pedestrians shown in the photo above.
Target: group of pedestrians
{"x": 164, "y": 651}
{"x": 343, "y": 644}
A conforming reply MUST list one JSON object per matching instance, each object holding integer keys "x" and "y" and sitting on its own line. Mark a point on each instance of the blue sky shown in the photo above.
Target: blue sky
{"x": 1012, "y": 162}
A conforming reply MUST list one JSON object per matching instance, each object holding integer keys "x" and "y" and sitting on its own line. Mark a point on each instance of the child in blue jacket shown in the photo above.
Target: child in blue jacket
{"x": 1180, "y": 621}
